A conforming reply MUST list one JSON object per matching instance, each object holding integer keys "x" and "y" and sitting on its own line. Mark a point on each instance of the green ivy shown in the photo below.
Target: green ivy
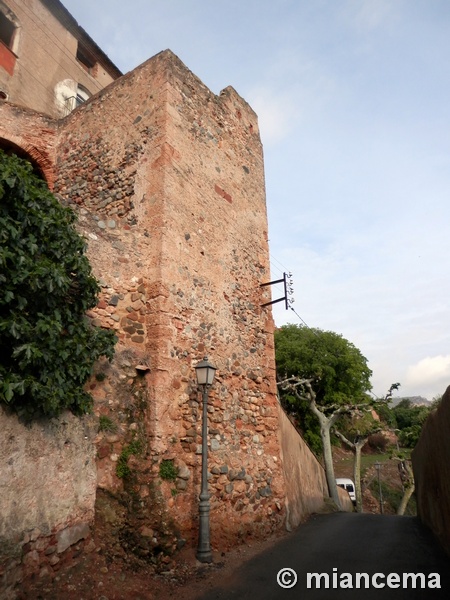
{"x": 47, "y": 344}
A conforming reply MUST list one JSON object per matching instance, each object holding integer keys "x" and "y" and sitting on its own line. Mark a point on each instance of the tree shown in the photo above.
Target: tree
{"x": 47, "y": 344}
{"x": 360, "y": 427}
{"x": 354, "y": 430}
{"x": 328, "y": 373}
{"x": 436, "y": 401}
{"x": 410, "y": 419}
{"x": 407, "y": 478}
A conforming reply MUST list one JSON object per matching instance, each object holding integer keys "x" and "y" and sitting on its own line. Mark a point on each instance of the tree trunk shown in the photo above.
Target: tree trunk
{"x": 357, "y": 474}
{"x": 325, "y": 426}
{"x": 406, "y": 496}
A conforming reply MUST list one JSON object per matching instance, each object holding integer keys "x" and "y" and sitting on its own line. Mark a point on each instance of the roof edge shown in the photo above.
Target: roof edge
{"x": 61, "y": 13}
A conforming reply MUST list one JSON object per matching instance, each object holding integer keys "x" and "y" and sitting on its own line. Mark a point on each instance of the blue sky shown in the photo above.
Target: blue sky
{"x": 353, "y": 99}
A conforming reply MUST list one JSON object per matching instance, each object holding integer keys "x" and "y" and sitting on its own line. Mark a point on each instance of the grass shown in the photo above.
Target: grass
{"x": 392, "y": 496}
{"x": 369, "y": 460}
{"x": 106, "y": 424}
{"x": 167, "y": 470}
{"x": 390, "y": 481}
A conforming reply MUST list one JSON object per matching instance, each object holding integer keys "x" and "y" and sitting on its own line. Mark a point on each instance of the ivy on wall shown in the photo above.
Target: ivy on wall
{"x": 47, "y": 344}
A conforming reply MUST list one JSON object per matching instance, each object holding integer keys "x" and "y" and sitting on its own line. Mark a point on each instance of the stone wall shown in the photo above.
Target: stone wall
{"x": 167, "y": 180}
{"x": 47, "y": 492}
{"x": 431, "y": 465}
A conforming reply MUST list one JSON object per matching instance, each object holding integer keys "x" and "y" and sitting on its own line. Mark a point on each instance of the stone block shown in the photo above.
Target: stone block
{"x": 71, "y": 535}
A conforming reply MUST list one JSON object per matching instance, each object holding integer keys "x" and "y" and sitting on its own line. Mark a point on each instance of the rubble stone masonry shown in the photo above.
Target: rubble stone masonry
{"x": 167, "y": 179}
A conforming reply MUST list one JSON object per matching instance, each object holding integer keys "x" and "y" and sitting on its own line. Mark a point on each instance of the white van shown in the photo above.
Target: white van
{"x": 349, "y": 486}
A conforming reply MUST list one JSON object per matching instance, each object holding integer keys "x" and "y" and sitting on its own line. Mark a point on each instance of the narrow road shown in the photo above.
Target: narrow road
{"x": 341, "y": 545}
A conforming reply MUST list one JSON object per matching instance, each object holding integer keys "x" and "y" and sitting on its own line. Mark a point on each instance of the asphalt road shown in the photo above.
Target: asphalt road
{"x": 344, "y": 543}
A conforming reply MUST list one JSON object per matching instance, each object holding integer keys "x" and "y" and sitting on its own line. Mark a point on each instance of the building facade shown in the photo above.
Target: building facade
{"x": 47, "y": 61}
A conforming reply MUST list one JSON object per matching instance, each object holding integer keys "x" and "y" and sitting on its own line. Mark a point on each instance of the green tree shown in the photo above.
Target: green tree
{"x": 386, "y": 414}
{"x": 47, "y": 344}
{"x": 436, "y": 401}
{"x": 327, "y": 373}
{"x": 410, "y": 419}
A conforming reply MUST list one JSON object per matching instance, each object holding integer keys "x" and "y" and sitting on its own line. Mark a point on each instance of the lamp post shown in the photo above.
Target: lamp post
{"x": 378, "y": 467}
{"x": 204, "y": 372}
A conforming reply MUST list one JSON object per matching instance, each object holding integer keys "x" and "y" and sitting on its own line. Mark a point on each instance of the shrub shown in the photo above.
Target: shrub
{"x": 122, "y": 469}
{"x": 106, "y": 424}
{"x": 47, "y": 345}
{"x": 378, "y": 442}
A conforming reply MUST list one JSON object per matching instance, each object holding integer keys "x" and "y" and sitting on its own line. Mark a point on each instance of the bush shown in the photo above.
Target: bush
{"x": 378, "y": 442}
{"x": 47, "y": 344}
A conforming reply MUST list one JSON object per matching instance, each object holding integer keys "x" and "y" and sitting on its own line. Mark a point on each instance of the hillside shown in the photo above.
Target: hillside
{"x": 416, "y": 400}
{"x": 390, "y": 481}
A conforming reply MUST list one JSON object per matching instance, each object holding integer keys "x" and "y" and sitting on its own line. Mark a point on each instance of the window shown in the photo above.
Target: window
{"x": 75, "y": 99}
{"x": 8, "y": 41}
{"x": 7, "y": 29}
{"x": 82, "y": 95}
{"x": 86, "y": 58}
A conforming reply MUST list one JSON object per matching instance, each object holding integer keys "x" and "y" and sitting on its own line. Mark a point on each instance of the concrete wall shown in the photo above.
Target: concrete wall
{"x": 306, "y": 486}
{"x": 431, "y": 465}
{"x": 305, "y": 481}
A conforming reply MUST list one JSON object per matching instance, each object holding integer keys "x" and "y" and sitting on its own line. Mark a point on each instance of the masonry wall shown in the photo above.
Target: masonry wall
{"x": 47, "y": 488}
{"x": 170, "y": 183}
{"x": 431, "y": 465}
{"x": 167, "y": 180}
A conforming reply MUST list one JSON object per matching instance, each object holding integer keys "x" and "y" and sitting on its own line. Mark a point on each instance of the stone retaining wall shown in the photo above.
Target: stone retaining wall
{"x": 47, "y": 493}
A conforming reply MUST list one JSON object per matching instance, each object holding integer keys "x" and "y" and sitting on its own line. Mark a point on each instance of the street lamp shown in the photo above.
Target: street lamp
{"x": 378, "y": 467}
{"x": 204, "y": 372}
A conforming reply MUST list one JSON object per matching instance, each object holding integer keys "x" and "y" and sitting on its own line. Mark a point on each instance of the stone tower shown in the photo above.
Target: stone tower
{"x": 167, "y": 180}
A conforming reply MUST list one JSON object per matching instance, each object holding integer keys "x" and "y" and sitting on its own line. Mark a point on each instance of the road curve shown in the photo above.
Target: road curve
{"x": 341, "y": 545}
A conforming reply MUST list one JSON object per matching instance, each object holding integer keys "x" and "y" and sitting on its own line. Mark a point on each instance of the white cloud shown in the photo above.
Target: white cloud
{"x": 277, "y": 113}
{"x": 431, "y": 373}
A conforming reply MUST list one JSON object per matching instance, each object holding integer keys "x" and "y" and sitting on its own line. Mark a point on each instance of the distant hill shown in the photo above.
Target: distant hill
{"x": 417, "y": 400}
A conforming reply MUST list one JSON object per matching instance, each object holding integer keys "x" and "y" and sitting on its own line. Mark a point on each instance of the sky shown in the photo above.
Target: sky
{"x": 353, "y": 104}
